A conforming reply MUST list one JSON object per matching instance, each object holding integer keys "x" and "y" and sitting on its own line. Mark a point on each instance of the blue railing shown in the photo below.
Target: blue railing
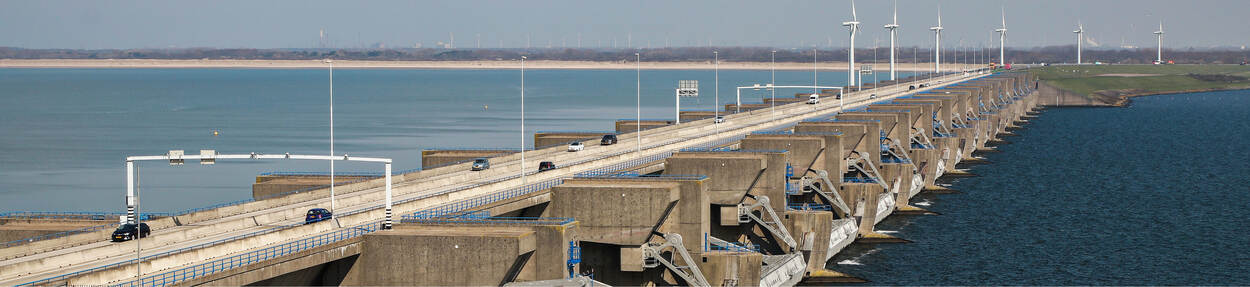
{"x": 324, "y": 173}
{"x": 88, "y": 215}
{"x": 894, "y": 160}
{"x": 726, "y": 149}
{"x": 467, "y": 204}
{"x": 809, "y": 206}
{"x": 494, "y": 220}
{"x": 150, "y": 257}
{"x": 734, "y": 246}
{"x": 576, "y": 132}
{"x": 858, "y": 180}
{"x": 218, "y": 265}
{"x": 507, "y": 149}
{"x": 797, "y": 133}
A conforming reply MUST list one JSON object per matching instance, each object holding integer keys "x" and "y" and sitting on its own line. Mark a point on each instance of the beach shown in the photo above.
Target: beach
{"x": 502, "y": 64}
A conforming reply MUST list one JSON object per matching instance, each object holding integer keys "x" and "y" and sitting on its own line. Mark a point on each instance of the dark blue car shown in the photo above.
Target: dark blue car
{"x": 317, "y": 214}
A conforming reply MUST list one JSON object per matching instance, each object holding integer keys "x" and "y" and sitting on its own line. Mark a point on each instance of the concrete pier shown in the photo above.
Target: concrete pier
{"x": 432, "y": 158}
{"x": 549, "y": 139}
{"x": 630, "y": 125}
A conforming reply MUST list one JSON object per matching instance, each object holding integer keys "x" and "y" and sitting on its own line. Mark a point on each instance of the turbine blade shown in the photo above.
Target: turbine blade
{"x": 1004, "y": 10}
{"x": 853, "y": 16}
{"x": 896, "y": 15}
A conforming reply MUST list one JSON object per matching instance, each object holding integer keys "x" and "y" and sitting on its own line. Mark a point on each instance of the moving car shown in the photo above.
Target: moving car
{"x": 719, "y": 119}
{"x": 608, "y": 140}
{"x": 317, "y": 214}
{"x": 576, "y": 146}
{"x": 813, "y": 99}
{"x": 546, "y": 165}
{"x": 480, "y": 164}
{"x": 128, "y": 232}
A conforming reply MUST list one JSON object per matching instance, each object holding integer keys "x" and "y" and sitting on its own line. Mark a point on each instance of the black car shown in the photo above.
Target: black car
{"x": 546, "y": 165}
{"x": 128, "y": 232}
{"x": 608, "y": 140}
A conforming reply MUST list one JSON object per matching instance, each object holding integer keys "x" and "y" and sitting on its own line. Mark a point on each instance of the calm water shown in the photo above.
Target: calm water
{"x": 1153, "y": 194}
{"x": 64, "y": 133}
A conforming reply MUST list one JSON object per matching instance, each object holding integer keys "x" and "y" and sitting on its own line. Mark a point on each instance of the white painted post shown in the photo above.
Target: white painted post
{"x": 130, "y": 192}
{"x": 387, "y": 224}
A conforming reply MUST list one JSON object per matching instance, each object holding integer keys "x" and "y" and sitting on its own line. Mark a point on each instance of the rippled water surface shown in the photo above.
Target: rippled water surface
{"x": 1152, "y": 194}
{"x": 64, "y": 133}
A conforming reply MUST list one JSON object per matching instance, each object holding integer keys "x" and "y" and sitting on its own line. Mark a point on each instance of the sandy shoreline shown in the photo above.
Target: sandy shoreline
{"x": 349, "y": 64}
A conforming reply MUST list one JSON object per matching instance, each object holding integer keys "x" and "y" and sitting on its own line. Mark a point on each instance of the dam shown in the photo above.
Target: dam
{"x": 764, "y": 197}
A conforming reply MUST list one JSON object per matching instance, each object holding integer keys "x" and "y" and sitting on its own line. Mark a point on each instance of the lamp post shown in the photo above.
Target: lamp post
{"x": 638, "y": 90}
{"x": 331, "y": 67}
{"x": 716, "y": 91}
{"x": 772, "y": 104}
{"x": 523, "y": 120}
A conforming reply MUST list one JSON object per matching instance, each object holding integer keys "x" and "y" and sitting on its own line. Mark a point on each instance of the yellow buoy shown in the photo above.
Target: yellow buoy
{"x": 485, "y": 107}
{"x": 216, "y": 133}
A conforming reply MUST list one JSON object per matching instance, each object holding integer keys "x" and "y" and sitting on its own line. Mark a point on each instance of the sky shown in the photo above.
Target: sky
{"x": 110, "y": 24}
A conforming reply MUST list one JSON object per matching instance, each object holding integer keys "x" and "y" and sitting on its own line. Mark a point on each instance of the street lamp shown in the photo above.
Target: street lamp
{"x": 638, "y": 120}
{"x": 716, "y": 91}
{"x": 772, "y": 105}
{"x": 523, "y": 120}
{"x": 331, "y": 65}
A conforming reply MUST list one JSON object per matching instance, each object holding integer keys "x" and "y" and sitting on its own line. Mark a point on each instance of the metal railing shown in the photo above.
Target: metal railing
{"x": 809, "y": 206}
{"x": 732, "y": 246}
{"x": 87, "y": 215}
{"x": 57, "y": 235}
{"x": 469, "y": 203}
{"x": 797, "y": 133}
{"x": 494, "y": 220}
{"x": 323, "y": 173}
{"x": 858, "y": 180}
{"x": 150, "y": 257}
{"x": 234, "y": 261}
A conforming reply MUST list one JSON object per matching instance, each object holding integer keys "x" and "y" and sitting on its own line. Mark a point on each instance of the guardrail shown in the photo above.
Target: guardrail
{"x": 508, "y": 149}
{"x": 576, "y": 132}
{"x": 734, "y": 247}
{"x": 235, "y": 261}
{"x": 809, "y": 206}
{"x": 796, "y": 133}
{"x": 324, "y": 173}
{"x": 858, "y": 180}
{"x": 495, "y": 220}
{"x": 150, "y": 257}
{"x": 482, "y": 200}
{"x": 89, "y": 215}
{"x": 57, "y": 235}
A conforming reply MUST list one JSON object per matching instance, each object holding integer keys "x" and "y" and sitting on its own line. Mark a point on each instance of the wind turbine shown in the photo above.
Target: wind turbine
{"x": 937, "y": 43}
{"x": 1159, "y": 37}
{"x": 852, "y": 26}
{"x": 892, "y": 26}
{"x": 1002, "y": 39}
{"x": 1080, "y": 31}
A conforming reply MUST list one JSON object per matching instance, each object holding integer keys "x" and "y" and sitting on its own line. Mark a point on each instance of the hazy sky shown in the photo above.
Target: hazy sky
{"x": 296, "y": 24}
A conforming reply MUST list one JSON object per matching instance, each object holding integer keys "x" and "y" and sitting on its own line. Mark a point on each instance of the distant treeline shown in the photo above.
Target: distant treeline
{"x": 1053, "y": 54}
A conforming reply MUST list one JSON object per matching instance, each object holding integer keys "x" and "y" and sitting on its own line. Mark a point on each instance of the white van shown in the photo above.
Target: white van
{"x": 813, "y": 99}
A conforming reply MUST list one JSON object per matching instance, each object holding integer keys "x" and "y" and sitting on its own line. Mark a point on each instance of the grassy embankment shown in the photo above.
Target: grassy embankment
{"x": 1119, "y": 82}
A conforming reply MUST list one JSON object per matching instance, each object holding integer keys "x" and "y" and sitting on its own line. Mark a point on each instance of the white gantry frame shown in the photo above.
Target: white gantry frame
{"x": 771, "y": 86}
{"x": 177, "y": 157}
